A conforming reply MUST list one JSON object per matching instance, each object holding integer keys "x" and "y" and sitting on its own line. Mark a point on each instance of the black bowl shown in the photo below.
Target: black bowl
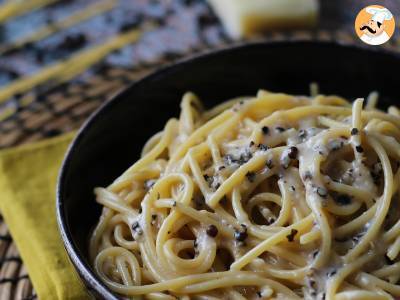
{"x": 111, "y": 140}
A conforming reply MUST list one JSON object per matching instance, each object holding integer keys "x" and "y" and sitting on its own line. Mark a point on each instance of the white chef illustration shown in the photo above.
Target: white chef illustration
{"x": 374, "y": 30}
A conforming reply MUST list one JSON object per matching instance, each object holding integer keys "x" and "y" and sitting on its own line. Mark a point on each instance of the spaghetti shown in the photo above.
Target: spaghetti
{"x": 275, "y": 196}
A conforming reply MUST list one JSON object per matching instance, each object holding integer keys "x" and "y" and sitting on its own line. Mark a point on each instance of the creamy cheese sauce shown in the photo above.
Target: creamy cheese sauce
{"x": 271, "y": 197}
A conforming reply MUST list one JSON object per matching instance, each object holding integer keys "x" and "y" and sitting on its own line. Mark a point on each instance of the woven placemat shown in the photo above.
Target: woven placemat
{"x": 62, "y": 108}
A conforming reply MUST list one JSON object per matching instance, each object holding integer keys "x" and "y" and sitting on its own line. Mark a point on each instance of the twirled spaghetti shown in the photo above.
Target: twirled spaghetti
{"x": 273, "y": 196}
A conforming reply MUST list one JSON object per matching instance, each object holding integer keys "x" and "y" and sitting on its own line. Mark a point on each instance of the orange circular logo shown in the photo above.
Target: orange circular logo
{"x": 375, "y": 25}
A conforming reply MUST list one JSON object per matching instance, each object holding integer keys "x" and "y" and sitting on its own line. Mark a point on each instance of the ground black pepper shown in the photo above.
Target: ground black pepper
{"x": 265, "y": 129}
{"x": 212, "y": 231}
{"x": 269, "y": 164}
{"x": 245, "y": 157}
{"x": 136, "y": 228}
{"x": 280, "y": 129}
{"x": 241, "y": 235}
{"x": 359, "y": 149}
{"x": 270, "y": 220}
{"x": 354, "y": 131}
{"x": 251, "y": 176}
{"x": 229, "y": 159}
{"x": 291, "y": 235}
{"x": 292, "y": 153}
{"x": 262, "y": 147}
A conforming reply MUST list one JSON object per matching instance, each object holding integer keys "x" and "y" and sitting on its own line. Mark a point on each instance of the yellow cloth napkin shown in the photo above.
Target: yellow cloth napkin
{"x": 28, "y": 177}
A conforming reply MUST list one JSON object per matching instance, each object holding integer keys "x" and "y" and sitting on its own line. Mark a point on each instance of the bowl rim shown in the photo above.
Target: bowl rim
{"x": 91, "y": 280}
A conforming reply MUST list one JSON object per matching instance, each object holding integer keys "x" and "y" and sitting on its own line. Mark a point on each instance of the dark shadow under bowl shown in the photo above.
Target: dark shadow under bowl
{"x": 112, "y": 138}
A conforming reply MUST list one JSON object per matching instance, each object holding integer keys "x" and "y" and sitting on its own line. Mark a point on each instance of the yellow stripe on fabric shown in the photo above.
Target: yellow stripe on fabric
{"x": 15, "y": 8}
{"x": 45, "y": 31}
{"x": 63, "y": 71}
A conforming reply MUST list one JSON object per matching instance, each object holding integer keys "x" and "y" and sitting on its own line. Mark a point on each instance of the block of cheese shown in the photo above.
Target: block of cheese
{"x": 246, "y": 17}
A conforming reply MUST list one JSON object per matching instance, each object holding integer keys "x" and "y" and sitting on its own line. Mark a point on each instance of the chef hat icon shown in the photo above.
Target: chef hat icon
{"x": 379, "y": 14}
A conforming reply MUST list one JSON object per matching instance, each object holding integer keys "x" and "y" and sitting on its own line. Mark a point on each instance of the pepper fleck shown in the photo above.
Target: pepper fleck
{"x": 270, "y": 220}
{"x": 212, "y": 231}
{"x": 292, "y": 153}
{"x": 280, "y": 129}
{"x": 292, "y": 234}
{"x": 262, "y": 147}
{"x": 251, "y": 144}
{"x": 265, "y": 129}
{"x": 354, "y": 131}
{"x": 136, "y": 228}
{"x": 241, "y": 235}
{"x": 269, "y": 164}
{"x": 251, "y": 176}
{"x": 359, "y": 149}
{"x": 135, "y": 225}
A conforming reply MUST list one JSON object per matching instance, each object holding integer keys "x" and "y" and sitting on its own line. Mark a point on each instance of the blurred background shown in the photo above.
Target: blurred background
{"x": 55, "y": 55}
{"x": 59, "y": 60}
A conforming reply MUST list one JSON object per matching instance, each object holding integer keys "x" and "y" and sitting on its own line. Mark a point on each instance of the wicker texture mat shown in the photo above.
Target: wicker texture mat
{"x": 55, "y": 109}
